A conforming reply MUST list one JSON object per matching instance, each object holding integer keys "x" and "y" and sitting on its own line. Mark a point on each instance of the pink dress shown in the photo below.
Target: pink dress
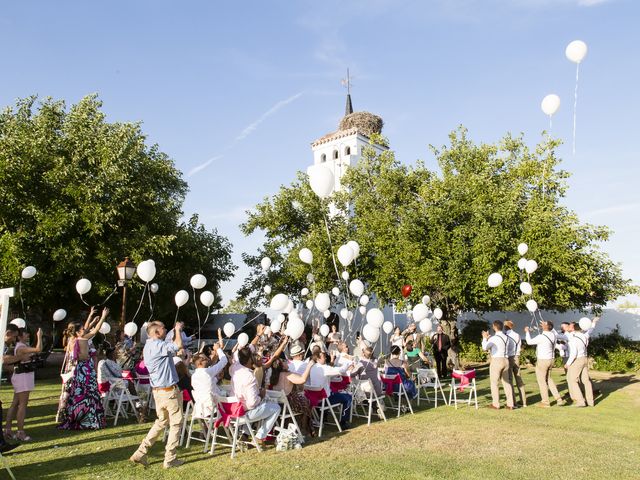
{"x": 23, "y": 382}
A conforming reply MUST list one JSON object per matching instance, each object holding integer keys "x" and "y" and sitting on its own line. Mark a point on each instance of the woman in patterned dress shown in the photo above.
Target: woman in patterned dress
{"x": 80, "y": 404}
{"x": 284, "y": 380}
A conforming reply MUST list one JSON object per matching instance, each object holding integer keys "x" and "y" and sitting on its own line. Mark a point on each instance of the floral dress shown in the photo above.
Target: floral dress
{"x": 80, "y": 403}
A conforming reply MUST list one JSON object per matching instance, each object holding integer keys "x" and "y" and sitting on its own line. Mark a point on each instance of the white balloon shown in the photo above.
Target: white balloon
{"x": 229, "y": 329}
{"x": 29, "y": 272}
{"x": 281, "y": 318}
{"x": 523, "y": 248}
{"x": 324, "y": 330}
{"x": 59, "y": 314}
{"x": 19, "y": 322}
{"x": 495, "y": 279}
{"x": 181, "y": 297}
{"x": 364, "y": 300}
{"x": 426, "y": 299}
{"x": 335, "y": 291}
{"x": 355, "y": 247}
{"x": 154, "y": 288}
{"x": 576, "y": 51}
{"x": 345, "y": 275}
{"x": 310, "y": 278}
{"x": 522, "y": 263}
{"x": 206, "y": 298}
{"x": 304, "y": 292}
{"x": 275, "y": 325}
{"x": 356, "y": 287}
{"x": 387, "y": 327}
{"x": 265, "y": 263}
{"x": 130, "y": 329}
{"x": 550, "y": 104}
{"x": 309, "y": 304}
{"x": 323, "y": 302}
{"x": 532, "y": 305}
{"x": 375, "y": 317}
{"x": 371, "y": 333}
{"x": 279, "y": 302}
{"x": 525, "y": 287}
{"x": 295, "y": 328}
{"x": 344, "y": 313}
{"x": 289, "y": 308}
{"x": 350, "y": 316}
{"x": 321, "y": 180}
{"x": 146, "y": 270}
{"x": 243, "y": 339}
{"x": 105, "y": 328}
{"x": 585, "y": 323}
{"x": 306, "y": 256}
{"x": 198, "y": 281}
{"x": 425, "y": 325}
{"x": 266, "y": 289}
{"x": 326, "y": 313}
{"x": 345, "y": 255}
{"x": 532, "y": 266}
{"x": 83, "y": 286}
{"x": 420, "y": 312}
{"x": 437, "y": 312}
{"x": 363, "y": 309}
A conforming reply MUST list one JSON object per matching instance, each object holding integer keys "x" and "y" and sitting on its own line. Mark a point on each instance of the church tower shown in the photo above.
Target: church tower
{"x": 343, "y": 148}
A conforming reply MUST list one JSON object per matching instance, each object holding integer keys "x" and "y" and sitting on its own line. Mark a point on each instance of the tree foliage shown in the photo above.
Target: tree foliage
{"x": 79, "y": 194}
{"x": 445, "y": 231}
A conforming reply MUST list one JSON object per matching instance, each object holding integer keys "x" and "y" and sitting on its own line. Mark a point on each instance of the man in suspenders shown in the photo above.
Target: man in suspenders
{"x": 545, "y": 345}
{"x": 578, "y": 367}
{"x": 513, "y": 355}
{"x": 499, "y": 366}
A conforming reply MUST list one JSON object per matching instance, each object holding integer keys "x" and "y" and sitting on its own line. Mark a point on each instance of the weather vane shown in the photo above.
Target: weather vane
{"x": 346, "y": 82}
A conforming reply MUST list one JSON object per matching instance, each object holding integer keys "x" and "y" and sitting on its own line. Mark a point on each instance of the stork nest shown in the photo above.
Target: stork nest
{"x": 365, "y": 122}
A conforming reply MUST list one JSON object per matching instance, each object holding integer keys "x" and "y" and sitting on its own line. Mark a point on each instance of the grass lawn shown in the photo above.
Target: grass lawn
{"x": 442, "y": 443}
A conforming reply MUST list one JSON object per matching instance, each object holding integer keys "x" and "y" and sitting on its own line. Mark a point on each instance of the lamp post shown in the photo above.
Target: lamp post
{"x": 125, "y": 269}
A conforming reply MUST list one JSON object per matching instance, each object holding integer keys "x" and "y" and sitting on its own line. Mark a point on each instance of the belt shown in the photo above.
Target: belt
{"x": 164, "y": 389}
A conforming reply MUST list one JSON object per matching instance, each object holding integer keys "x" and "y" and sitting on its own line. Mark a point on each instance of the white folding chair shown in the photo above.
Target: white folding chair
{"x": 325, "y": 406}
{"x": 124, "y": 401}
{"x": 143, "y": 387}
{"x": 400, "y": 394}
{"x": 232, "y": 432}
{"x": 364, "y": 397}
{"x": 471, "y": 386}
{"x": 427, "y": 378}
{"x": 286, "y": 412}
{"x": 206, "y": 427}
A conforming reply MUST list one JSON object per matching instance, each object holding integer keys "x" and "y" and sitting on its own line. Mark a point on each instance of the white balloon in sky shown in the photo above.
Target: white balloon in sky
{"x": 265, "y": 263}
{"x": 523, "y": 248}
{"x": 550, "y": 104}
{"x": 321, "y": 180}
{"x": 306, "y": 256}
{"x": 525, "y": 287}
{"x": 495, "y": 279}
{"x": 29, "y": 272}
{"x": 304, "y": 292}
{"x": 323, "y": 302}
{"x": 345, "y": 255}
{"x": 356, "y": 287}
{"x": 198, "y": 281}
{"x": 335, "y": 291}
{"x": 576, "y": 51}
{"x": 345, "y": 275}
{"x": 532, "y": 305}
{"x": 355, "y": 247}
{"x": 532, "y": 266}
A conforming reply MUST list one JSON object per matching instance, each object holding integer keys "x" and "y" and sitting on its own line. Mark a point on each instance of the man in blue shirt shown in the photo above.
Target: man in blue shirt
{"x": 158, "y": 358}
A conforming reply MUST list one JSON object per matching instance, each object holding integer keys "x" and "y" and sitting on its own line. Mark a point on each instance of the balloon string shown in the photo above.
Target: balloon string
{"x": 83, "y": 301}
{"x": 115, "y": 289}
{"x": 144, "y": 290}
{"x": 24, "y": 312}
{"x": 151, "y": 305}
{"x": 195, "y": 304}
{"x": 575, "y": 107}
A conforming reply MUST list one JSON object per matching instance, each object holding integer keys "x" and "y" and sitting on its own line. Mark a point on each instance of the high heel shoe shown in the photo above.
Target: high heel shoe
{"x": 22, "y": 436}
{"x": 9, "y": 435}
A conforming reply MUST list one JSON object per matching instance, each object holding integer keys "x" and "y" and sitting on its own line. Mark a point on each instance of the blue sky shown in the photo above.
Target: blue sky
{"x": 235, "y": 92}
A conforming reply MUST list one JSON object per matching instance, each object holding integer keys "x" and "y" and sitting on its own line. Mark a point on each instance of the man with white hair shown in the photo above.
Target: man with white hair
{"x": 163, "y": 377}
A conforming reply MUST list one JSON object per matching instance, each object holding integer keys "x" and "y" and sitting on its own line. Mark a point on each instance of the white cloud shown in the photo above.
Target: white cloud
{"x": 204, "y": 165}
{"x": 252, "y": 126}
{"x": 614, "y": 209}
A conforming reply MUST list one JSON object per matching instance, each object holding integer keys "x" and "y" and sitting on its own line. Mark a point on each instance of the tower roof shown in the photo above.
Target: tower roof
{"x": 348, "y": 109}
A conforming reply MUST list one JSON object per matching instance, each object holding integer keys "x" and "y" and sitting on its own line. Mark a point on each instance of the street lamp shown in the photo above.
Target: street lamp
{"x": 125, "y": 269}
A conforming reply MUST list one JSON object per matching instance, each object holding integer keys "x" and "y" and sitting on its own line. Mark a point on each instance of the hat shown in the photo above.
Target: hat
{"x": 296, "y": 350}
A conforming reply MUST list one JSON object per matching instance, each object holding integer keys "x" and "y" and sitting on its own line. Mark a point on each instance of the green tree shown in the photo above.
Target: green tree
{"x": 79, "y": 194}
{"x": 445, "y": 231}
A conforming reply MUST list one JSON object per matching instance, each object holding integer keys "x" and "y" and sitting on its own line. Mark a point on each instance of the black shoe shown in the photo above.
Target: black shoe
{"x": 7, "y": 447}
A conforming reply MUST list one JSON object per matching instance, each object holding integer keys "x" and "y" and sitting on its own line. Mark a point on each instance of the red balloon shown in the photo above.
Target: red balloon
{"x": 406, "y": 290}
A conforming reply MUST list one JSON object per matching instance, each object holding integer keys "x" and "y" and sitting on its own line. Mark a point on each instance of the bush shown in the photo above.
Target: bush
{"x": 622, "y": 359}
{"x": 527, "y": 355}
{"x": 472, "y": 331}
{"x": 472, "y": 352}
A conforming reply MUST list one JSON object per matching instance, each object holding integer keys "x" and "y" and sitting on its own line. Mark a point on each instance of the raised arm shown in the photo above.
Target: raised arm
{"x": 26, "y": 351}
{"x": 90, "y": 317}
{"x": 277, "y": 353}
{"x": 220, "y": 340}
{"x": 259, "y": 332}
{"x": 95, "y": 328}
{"x": 300, "y": 379}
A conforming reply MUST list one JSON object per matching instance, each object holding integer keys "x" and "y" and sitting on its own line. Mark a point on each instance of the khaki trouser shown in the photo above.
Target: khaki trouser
{"x": 545, "y": 382}
{"x": 514, "y": 371}
{"x": 499, "y": 370}
{"x": 169, "y": 410}
{"x": 579, "y": 371}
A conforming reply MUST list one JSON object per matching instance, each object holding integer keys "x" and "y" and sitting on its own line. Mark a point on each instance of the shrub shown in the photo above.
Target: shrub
{"x": 622, "y": 359}
{"x": 472, "y": 331}
{"x": 472, "y": 352}
{"x": 527, "y": 355}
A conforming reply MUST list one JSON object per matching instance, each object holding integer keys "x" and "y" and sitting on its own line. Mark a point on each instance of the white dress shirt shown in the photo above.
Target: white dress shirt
{"x": 297, "y": 366}
{"x": 496, "y": 345}
{"x": 205, "y": 383}
{"x": 545, "y": 344}
{"x": 578, "y": 342}
{"x": 244, "y": 386}
{"x": 320, "y": 376}
{"x": 515, "y": 343}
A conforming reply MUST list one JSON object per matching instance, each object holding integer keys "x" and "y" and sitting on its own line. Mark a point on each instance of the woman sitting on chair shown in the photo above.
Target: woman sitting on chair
{"x": 284, "y": 381}
{"x": 413, "y": 356}
{"x": 395, "y": 366}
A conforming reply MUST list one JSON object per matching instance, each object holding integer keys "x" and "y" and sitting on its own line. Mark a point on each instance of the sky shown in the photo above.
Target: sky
{"x": 235, "y": 92}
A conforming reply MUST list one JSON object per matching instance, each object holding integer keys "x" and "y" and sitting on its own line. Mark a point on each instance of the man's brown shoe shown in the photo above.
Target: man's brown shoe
{"x": 140, "y": 459}
{"x": 173, "y": 463}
